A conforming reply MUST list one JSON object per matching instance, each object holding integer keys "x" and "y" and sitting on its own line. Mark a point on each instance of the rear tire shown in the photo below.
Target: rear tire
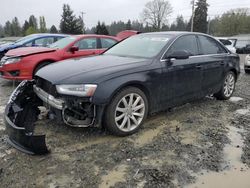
{"x": 39, "y": 66}
{"x": 227, "y": 87}
{"x": 126, "y": 112}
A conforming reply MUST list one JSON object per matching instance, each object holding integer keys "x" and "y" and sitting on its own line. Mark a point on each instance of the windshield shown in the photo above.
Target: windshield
{"x": 144, "y": 46}
{"x": 62, "y": 43}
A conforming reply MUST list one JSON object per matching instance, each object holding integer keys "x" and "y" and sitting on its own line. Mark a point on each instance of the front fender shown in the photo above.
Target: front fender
{"x": 108, "y": 88}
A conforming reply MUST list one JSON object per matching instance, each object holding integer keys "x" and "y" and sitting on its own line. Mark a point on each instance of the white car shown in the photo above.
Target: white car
{"x": 247, "y": 64}
{"x": 228, "y": 43}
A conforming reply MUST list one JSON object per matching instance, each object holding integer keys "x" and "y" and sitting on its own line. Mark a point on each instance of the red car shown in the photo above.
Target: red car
{"x": 23, "y": 63}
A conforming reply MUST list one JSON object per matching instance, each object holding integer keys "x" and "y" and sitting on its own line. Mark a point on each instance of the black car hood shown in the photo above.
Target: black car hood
{"x": 90, "y": 69}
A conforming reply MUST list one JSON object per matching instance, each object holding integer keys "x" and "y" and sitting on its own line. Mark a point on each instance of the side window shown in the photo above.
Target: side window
{"x": 107, "y": 43}
{"x": 87, "y": 43}
{"x": 29, "y": 44}
{"x": 210, "y": 46}
{"x": 43, "y": 41}
{"x": 58, "y": 38}
{"x": 188, "y": 43}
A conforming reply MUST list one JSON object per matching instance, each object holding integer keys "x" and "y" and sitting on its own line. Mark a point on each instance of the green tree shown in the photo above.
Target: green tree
{"x": 53, "y": 29}
{"x": 1, "y": 31}
{"x": 129, "y": 25}
{"x": 98, "y": 28}
{"x": 42, "y": 22}
{"x": 200, "y": 16}
{"x": 101, "y": 29}
{"x": 233, "y": 22}
{"x": 8, "y": 29}
{"x": 25, "y": 27}
{"x": 172, "y": 27}
{"x": 181, "y": 25}
{"x": 30, "y": 30}
{"x": 15, "y": 28}
{"x": 104, "y": 29}
{"x": 70, "y": 24}
{"x": 33, "y": 22}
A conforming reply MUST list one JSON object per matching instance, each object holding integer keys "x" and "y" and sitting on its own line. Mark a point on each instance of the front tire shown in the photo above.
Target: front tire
{"x": 228, "y": 87}
{"x": 126, "y": 112}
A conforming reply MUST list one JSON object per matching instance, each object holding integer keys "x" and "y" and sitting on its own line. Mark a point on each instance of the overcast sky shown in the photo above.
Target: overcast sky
{"x": 103, "y": 10}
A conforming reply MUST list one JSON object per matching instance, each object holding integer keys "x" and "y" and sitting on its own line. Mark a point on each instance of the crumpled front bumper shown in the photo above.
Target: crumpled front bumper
{"x": 21, "y": 113}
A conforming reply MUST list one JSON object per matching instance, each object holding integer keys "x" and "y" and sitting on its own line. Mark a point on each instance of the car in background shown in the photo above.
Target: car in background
{"x": 39, "y": 39}
{"x": 228, "y": 43}
{"x": 243, "y": 46}
{"x": 247, "y": 64}
{"x": 23, "y": 63}
{"x": 141, "y": 75}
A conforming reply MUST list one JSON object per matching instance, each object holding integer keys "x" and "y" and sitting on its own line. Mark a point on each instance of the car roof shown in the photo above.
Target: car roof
{"x": 174, "y": 33}
{"x": 95, "y": 35}
{"x": 49, "y": 34}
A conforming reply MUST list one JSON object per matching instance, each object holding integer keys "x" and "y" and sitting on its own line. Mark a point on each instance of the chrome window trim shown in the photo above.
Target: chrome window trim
{"x": 202, "y": 55}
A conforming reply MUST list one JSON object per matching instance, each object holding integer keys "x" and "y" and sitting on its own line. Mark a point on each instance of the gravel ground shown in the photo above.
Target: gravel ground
{"x": 181, "y": 147}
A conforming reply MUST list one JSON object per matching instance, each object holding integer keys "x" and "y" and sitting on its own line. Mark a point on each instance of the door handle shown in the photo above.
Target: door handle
{"x": 222, "y": 63}
{"x": 198, "y": 66}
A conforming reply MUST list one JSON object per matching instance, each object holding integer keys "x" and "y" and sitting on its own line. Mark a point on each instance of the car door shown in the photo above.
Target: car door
{"x": 87, "y": 47}
{"x": 214, "y": 57}
{"x": 181, "y": 77}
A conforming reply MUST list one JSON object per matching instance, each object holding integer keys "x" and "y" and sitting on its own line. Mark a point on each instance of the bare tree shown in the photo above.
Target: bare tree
{"x": 156, "y": 12}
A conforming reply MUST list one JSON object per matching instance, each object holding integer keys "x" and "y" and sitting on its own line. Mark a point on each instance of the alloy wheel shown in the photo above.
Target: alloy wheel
{"x": 129, "y": 112}
{"x": 229, "y": 85}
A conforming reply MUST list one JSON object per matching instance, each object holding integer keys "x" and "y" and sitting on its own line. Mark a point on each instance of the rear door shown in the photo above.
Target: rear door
{"x": 214, "y": 57}
{"x": 182, "y": 78}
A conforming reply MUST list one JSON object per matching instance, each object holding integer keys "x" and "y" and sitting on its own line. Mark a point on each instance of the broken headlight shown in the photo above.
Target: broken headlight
{"x": 82, "y": 90}
{"x": 12, "y": 60}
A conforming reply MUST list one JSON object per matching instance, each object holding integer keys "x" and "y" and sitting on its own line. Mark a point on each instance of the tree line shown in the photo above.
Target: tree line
{"x": 154, "y": 17}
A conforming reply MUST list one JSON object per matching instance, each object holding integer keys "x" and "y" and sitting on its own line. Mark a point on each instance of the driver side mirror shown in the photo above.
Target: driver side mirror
{"x": 73, "y": 49}
{"x": 181, "y": 54}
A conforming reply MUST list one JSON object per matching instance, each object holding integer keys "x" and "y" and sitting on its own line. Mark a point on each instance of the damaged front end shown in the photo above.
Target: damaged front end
{"x": 23, "y": 110}
{"x": 20, "y": 115}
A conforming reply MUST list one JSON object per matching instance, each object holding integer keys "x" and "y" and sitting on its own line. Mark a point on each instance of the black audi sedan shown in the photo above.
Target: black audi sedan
{"x": 141, "y": 75}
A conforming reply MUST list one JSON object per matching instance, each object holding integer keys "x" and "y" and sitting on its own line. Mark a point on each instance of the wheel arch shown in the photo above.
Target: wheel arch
{"x": 136, "y": 84}
{"x": 235, "y": 72}
{"x": 48, "y": 61}
{"x": 115, "y": 91}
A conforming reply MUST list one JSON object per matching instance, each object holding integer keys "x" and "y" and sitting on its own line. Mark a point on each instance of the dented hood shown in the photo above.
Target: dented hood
{"x": 24, "y": 51}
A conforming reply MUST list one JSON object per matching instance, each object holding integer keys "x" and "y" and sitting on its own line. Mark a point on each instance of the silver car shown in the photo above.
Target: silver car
{"x": 247, "y": 64}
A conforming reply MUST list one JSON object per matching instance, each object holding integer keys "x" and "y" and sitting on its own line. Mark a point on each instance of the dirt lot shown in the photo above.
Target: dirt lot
{"x": 201, "y": 144}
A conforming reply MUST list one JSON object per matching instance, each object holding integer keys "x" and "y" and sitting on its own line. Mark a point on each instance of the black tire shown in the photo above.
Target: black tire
{"x": 111, "y": 112}
{"x": 39, "y": 66}
{"x": 221, "y": 94}
{"x": 247, "y": 71}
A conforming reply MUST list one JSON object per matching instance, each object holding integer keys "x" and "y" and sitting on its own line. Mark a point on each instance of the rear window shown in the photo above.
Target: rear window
{"x": 107, "y": 43}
